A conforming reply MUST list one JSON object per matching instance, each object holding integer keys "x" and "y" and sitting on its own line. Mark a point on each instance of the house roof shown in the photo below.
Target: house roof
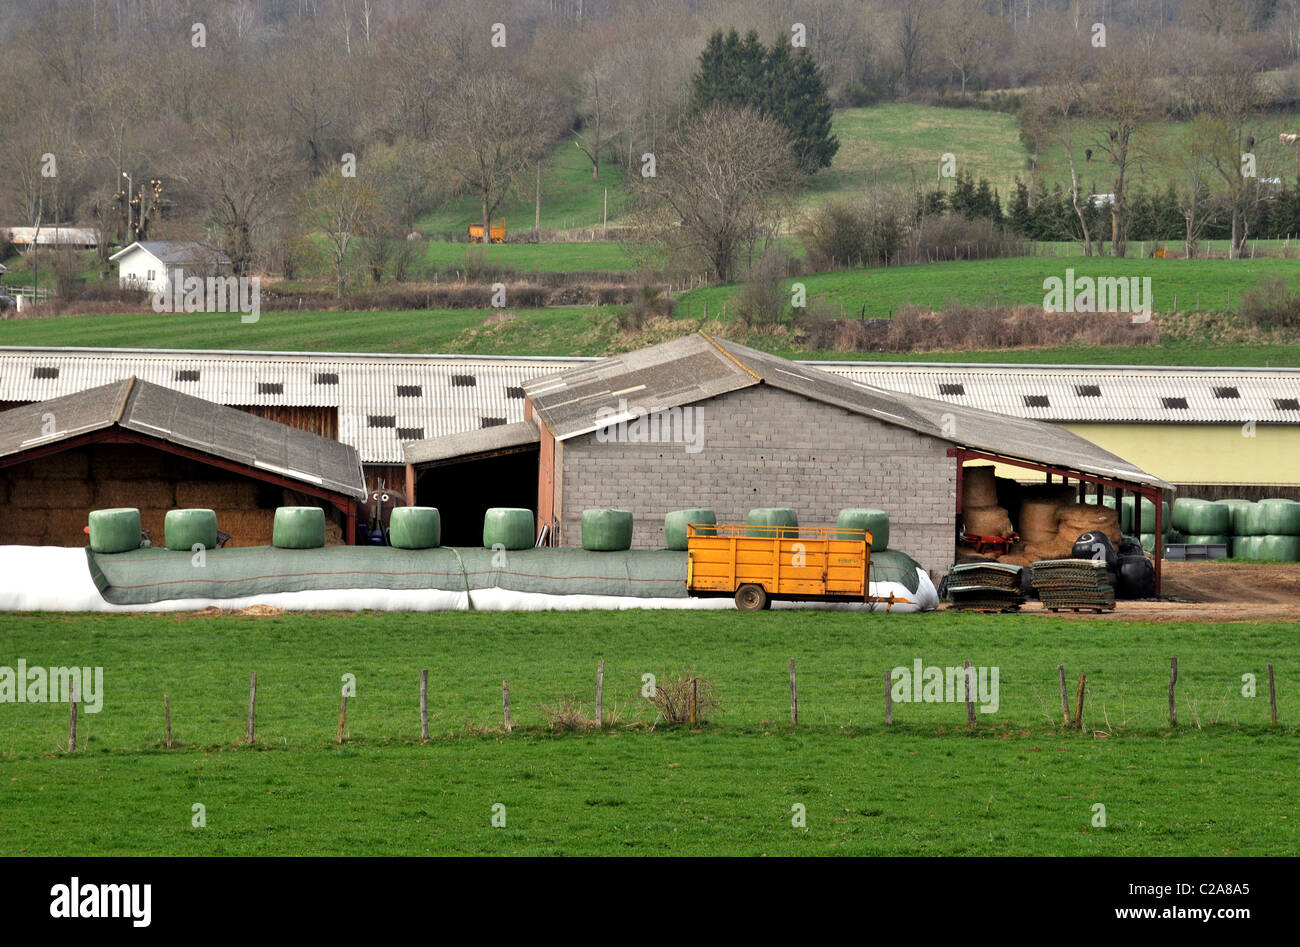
{"x": 487, "y": 440}
{"x": 175, "y": 252}
{"x": 700, "y": 367}
{"x": 167, "y": 415}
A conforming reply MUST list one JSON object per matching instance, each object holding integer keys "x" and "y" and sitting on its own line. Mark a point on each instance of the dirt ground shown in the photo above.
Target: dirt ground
{"x": 1214, "y": 592}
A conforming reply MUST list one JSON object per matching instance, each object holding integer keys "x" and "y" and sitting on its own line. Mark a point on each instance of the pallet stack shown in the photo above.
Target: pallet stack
{"x": 985, "y": 587}
{"x": 1074, "y": 585}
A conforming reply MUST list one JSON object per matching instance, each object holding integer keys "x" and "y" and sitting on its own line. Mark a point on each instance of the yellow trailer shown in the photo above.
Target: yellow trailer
{"x": 760, "y": 564}
{"x": 476, "y": 233}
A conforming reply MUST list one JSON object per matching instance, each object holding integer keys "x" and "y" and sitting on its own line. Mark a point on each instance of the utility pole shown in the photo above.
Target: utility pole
{"x": 130, "y": 232}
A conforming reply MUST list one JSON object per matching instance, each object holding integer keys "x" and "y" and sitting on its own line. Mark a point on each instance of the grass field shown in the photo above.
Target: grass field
{"x": 570, "y": 198}
{"x": 1020, "y": 785}
{"x": 1217, "y": 284}
{"x": 552, "y": 331}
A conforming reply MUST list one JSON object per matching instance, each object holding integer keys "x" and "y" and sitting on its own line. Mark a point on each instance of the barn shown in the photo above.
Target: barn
{"x": 1211, "y": 432}
{"x": 704, "y": 422}
{"x": 136, "y": 444}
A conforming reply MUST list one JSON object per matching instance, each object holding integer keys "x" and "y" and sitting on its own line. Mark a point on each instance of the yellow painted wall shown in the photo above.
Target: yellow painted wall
{"x": 1202, "y": 453}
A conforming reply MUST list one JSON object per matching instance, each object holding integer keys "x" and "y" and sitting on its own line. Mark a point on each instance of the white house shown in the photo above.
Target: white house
{"x": 150, "y": 264}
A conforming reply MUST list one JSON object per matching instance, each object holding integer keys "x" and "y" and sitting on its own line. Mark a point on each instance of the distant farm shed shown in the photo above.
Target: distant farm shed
{"x": 132, "y": 443}
{"x": 54, "y": 235}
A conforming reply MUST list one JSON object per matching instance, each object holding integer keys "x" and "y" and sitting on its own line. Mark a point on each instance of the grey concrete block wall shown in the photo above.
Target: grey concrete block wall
{"x": 762, "y": 446}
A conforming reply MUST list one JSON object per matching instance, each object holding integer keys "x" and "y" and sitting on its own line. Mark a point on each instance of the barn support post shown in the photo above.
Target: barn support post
{"x": 1158, "y": 498}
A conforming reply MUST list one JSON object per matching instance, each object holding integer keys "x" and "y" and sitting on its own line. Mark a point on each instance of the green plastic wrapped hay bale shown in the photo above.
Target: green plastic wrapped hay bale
{"x": 115, "y": 530}
{"x": 1244, "y": 547}
{"x": 184, "y": 529}
{"x": 298, "y": 527}
{"x": 875, "y": 522}
{"x": 1206, "y": 539}
{"x": 1236, "y": 514}
{"x": 1145, "y": 522}
{"x": 1281, "y": 517}
{"x": 1149, "y": 542}
{"x": 1201, "y": 517}
{"x": 415, "y": 527}
{"x": 1253, "y": 521}
{"x": 773, "y": 516}
{"x": 675, "y": 524}
{"x": 1278, "y": 548}
{"x": 606, "y": 530}
{"x": 510, "y": 527}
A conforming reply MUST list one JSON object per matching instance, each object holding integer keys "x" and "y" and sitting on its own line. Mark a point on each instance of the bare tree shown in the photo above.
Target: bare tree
{"x": 914, "y": 28}
{"x": 1055, "y": 113}
{"x": 720, "y": 186}
{"x": 1230, "y": 101}
{"x": 497, "y": 127}
{"x": 341, "y": 209}
{"x": 1124, "y": 102}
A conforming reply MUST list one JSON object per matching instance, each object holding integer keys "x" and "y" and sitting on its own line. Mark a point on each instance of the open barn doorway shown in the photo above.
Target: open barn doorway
{"x": 463, "y": 489}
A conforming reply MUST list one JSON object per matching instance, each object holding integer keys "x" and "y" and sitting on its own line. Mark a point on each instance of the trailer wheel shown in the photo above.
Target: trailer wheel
{"x": 752, "y": 598}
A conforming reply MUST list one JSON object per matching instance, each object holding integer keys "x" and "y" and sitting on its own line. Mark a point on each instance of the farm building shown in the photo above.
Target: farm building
{"x": 1209, "y": 431}
{"x": 132, "y": 443}
{"x": 149, "y": 265}
{"x": 702, "y": 422}
{"x": 54, "y": 235}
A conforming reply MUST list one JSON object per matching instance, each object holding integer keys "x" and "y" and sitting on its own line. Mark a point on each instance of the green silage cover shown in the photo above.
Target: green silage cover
{"x": 890, "y": 565}
{"x": 145, "y": 576}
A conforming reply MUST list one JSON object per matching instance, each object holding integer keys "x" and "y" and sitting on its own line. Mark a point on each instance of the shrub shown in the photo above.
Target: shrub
{"x": 953, "y": 237}
{"x": 1271, "y": 304}
{"x": 672, "y": 697}
{"x": 567, "y": 714}
{"x": 835, "y": 234}
{"x": 653, "y": 303}
{"x": 763, "y": 299}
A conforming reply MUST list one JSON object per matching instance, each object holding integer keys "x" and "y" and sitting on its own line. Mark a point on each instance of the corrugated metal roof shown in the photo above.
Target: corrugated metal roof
{"x": 169, "y": 415}
{"x": 1093, "y": 393}
{"x": 381, "y": 401}
{"x": 499, "y": 437}
{"x": 581, "y": 400}
{"x": 365, "y": 386}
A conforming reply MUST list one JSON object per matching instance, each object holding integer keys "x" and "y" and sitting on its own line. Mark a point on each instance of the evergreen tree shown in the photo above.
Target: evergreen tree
{"x": 790, "y": 89}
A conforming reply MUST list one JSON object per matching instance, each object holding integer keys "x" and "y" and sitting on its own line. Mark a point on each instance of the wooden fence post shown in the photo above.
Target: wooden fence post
{"x": 1272, "y": 695}
{"x": 424, "y": 704}
{"x": 794, "y": 697}
{"x": 600, "y": 693}
{"x": 1078, "y": 701}
{"x": 505, "y": 704}
{"x": 1173, "y": 679}
{"x": 252, "y": 701}
{"x": 72, "y": 716}
{"x": 970, "y": 693}
{"x": 695, "y": 694}
{"x": 343, "y": 713}
{"x": 167, "y": 718}
{"x": 889, "y": 699}
{"x": 1065, "y": 700}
